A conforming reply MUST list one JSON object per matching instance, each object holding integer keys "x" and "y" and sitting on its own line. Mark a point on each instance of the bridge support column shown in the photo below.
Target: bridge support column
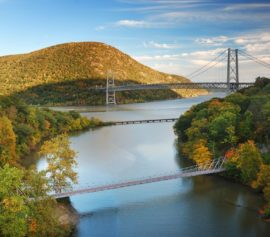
{"x": 232, "y": 70}
{"x": 110, "y": 92}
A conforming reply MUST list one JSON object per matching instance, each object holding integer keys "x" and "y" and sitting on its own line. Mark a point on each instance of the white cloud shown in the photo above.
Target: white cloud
{"x": 153, "y": 44}
{"x": 255, "y": 43}
{"x": 201, "y": 62}
{"x": 174, "y": 13}
{"x": 214, "y": 41}
{"x": 184, "y": 63}
{"x": 133, "y": 23}
{"x": 247, "y": 6}
{"x": 207, "y": 54}
{"x": 154, "y": 58}
{"x": 258, "y": 48}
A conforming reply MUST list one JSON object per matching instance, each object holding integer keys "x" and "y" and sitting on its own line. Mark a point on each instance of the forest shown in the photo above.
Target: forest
{"x": 25, "y": 207}
{"x": 237, "y": 127}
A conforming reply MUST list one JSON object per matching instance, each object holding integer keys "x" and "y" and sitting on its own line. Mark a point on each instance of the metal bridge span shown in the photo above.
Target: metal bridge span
{"x": 163, "y": 120}
{"x": 166, "y": 86}
{"x": 215, "y": 166}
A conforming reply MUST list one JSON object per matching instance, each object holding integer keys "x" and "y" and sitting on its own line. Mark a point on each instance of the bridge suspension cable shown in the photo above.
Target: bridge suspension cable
{"x": 208, "y": 66}
{"x": 254, "y": 59}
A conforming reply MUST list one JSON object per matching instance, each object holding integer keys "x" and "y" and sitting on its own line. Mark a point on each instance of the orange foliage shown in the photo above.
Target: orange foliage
{"x": 230, "y": 153}
{"x": 33, "y": 226}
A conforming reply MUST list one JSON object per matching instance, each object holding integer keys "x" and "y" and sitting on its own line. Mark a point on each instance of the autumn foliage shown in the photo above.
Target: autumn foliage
{"x": 237, "y": 128}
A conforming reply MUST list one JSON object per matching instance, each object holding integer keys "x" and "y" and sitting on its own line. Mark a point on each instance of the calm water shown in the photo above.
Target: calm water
{"x": 200, "y": 206}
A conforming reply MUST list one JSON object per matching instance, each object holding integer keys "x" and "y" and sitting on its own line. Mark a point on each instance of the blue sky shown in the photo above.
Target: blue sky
{"x": 174, "y": 36}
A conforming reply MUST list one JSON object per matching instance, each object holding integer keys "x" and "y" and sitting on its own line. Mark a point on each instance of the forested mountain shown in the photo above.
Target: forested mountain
{"x": 62, "y": 73}
{"x": 237, "y": 127}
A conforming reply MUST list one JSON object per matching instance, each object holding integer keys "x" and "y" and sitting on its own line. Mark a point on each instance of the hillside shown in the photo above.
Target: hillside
{"x": 62, "y": 73}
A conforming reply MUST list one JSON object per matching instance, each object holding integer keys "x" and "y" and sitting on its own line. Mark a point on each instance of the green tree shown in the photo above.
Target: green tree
{"x": 222, "y": 128}
{"x": 248, "y": 160}
{"x": 266, "y": 114}
{"x": 245, "y": 127}
{"x": 61, "y": 162}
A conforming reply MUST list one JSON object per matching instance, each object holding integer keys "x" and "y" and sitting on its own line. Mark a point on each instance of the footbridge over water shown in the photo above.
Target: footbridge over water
{"x": 216, "y": 166}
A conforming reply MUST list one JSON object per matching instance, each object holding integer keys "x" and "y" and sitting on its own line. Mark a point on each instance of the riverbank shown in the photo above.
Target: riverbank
{"x": 235, "y": 127}
{"x": 68, "y": 216}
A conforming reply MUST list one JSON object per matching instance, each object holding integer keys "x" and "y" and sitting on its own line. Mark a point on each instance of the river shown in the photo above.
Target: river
{"x": 199, "y": 206}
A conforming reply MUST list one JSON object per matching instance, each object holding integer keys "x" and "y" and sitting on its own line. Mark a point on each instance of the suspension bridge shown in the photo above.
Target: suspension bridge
{"x": 227, "y": 80}
{"x": 216, "y": 166}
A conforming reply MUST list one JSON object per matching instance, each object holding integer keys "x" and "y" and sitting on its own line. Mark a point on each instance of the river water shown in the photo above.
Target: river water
{"x": 199, "y": 206}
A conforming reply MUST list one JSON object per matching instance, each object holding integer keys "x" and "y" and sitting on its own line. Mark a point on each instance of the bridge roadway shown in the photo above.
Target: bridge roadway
{"x": 212, "y": 168}
{"x": 165, "y": 86}
{"x": 165, "y": 120}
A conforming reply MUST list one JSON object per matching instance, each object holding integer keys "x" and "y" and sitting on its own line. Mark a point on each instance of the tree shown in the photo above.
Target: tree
{"x": 61, "y": 162}
{"x": 222, "y": 128}
{"x": 245, "y": 127}
{"x": 7, "y": 142}
{"x": 248, "y": 160}
{"x": 266, "y": 114}
{"x": 263, "y": 181}
{"x": 13, "y": 211}
{"x": 201, "y": 154}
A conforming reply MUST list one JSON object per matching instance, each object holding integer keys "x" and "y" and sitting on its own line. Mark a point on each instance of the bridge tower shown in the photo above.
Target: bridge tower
{"x": 232, "y": 69}
{"x": 110, "y": 92}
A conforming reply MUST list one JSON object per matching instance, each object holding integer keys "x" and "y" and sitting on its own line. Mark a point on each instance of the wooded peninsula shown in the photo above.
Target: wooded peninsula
{"x": 237, "y": 127}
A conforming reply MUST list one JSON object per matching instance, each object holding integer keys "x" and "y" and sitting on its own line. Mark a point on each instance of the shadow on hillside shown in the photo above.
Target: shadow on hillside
{"x": 78, "y": 92}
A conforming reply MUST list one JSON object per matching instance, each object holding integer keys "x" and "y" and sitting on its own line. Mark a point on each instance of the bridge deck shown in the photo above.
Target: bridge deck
{"x": 168, "y": 86}
{"x": 165, "y": 120}
{"x": 188, "y": 173}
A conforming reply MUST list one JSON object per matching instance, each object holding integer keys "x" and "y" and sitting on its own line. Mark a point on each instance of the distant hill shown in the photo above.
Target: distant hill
{"x": 61, "y": 74}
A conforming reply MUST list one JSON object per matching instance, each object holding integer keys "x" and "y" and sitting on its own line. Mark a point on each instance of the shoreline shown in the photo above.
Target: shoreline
{"x": 67, "y": 215}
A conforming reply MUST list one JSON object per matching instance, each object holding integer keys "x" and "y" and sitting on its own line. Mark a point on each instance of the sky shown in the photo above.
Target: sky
{"x": 174, "y": 36}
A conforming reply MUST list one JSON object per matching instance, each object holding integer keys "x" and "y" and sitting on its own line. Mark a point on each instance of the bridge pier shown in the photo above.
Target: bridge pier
{"x": 110, "y": 92}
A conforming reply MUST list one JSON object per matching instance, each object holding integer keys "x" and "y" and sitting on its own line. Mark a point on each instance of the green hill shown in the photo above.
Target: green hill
{"x": 61, "y": 74}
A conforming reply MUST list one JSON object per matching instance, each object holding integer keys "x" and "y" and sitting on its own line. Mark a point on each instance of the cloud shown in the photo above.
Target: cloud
{"x": 153, "y": 58}
{"x": 247, "y": 6}
{"x": 183, "y": 63}
{"x": 132, "y": 23}
{"x": 141, "y": 24}
{"x": 162, "y": 5}
{"x": 214, "y": 41}
{"x": 204, "y": 62}
{"x": 206, "y": 54}
{"x": 155, "y": 45}
{"x": 175, "y": 13}
{"x": 257, "y": 43}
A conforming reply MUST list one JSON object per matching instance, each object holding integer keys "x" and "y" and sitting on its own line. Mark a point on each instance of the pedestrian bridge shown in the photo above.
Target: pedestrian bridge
{"x": 213, "y": 167}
